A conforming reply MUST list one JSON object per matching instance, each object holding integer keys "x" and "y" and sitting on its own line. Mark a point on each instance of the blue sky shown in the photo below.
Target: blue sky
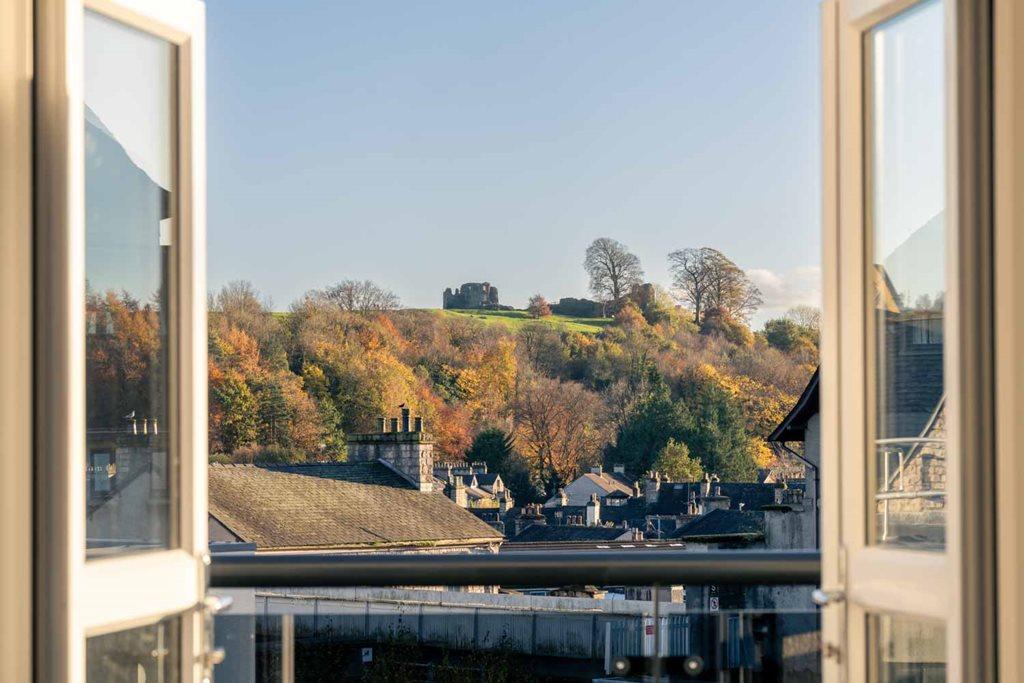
{"x": 422, "y": 145}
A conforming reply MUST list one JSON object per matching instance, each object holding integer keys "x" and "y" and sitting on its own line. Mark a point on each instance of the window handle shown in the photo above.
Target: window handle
{"x": 824, "y": 598}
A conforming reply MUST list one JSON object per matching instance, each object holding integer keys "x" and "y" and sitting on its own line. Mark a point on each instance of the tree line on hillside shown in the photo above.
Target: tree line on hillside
{"x": 659, "y": 387}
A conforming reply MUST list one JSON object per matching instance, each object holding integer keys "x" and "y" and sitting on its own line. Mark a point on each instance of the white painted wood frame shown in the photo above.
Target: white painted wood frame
{"x": 75, "y": 598}
{"x": 16, "y": 340}
{"x": 1008, "y": 153}
{"x": 956, "y": 586}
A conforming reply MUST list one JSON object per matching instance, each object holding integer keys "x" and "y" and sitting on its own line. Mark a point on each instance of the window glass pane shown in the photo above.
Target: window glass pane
{"x": 139, "y": 655}
{"x": 130, "y": 200}
{"x": 907, "y": 650}
{"x": 907, "y": 217}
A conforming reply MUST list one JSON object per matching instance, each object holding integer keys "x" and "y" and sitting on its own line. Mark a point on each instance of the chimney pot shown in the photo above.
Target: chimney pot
{"x": 418, "y": 424}
{"x": 382, "y": 424}
{"x": 405, "y": 419}
{"x": 394, "y": 424}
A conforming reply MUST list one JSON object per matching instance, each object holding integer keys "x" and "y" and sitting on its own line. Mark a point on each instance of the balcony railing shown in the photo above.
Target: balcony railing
{"x": 633, "y": 568}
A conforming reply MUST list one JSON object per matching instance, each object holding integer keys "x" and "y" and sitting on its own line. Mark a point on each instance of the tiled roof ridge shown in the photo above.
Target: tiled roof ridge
{"x": 290, "y": 464}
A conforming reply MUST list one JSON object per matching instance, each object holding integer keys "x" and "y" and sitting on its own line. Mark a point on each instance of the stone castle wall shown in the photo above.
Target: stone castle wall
{"x": 471, "y": 295}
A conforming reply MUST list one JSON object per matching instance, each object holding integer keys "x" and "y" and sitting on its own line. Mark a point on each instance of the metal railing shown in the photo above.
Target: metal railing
{"x": 526, "y": 569}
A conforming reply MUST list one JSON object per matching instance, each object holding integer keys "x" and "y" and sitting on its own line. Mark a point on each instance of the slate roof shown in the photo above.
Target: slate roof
{"x": 673, "y": 497}
{"x": 608, "y": 482}
{"x": 546, "y": 533}
{"x": 486, "y": 481}
{"x": 723, "y": 525}
{"x": 328, "y": 506}
{"x": 794, "y": 426}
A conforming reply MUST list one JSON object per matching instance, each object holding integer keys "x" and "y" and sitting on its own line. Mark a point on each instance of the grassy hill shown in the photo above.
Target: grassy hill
{"x": 517, "y": 319}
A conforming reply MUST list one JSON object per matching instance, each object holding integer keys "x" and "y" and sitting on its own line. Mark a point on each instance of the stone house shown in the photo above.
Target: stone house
{"x": 596, "y": 481}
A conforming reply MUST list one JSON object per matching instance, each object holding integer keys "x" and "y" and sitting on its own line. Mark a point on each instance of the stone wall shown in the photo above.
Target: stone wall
{"x": 409, "y": 452}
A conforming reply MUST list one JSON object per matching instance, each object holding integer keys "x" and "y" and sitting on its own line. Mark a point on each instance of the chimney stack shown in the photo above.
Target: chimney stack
{"x": 458, "y": 493}
{"x": 593, "y": 510}
{"x": 651, "y": 487}
{"x": 563, "y": 498}
{"x": 410, "y": 454}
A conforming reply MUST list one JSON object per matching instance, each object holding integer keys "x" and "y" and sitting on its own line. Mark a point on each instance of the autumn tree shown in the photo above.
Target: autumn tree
{"x": 538, "y": 307}
{"x": 675, "y": 461}
{"x": 719, "y": 321}
{"x": 361, "y": 296}
{"x": 560, "y": 429}
{"x": 613, "y": 270}
{"x": 239, "y": 305}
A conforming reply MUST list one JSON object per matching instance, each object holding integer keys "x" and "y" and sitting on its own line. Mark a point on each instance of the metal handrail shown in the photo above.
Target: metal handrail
{"x": 525, "y": 569}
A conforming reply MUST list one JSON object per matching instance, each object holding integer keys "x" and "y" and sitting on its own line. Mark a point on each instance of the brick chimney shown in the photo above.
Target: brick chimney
{"x": 409, "y": 453}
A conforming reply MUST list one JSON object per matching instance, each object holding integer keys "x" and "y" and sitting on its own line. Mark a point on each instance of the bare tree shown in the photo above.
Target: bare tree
{"x": 612, "y": 268}
{"x": 705, "y": 278}
{"x": 807, "y": 316}
{"x": 691, "y": 270}
{"x": 361, "y": 296}
{"x": 730, "y": 289}
{"x": 538, "y": 307}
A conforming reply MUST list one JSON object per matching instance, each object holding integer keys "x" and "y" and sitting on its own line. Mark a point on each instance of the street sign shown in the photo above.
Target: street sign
{"x": 367, "y": 655}
{"x": 714, "y": 603}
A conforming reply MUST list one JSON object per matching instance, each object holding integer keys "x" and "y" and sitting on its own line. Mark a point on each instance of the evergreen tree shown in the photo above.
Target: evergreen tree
{"x": 496, "y": 448}
{"x": 715, "y": 430}
{"x": 652, "y": 423}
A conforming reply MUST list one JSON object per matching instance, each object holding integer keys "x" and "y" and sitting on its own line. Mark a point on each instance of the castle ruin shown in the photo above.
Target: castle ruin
{"x": 471, "y": 295}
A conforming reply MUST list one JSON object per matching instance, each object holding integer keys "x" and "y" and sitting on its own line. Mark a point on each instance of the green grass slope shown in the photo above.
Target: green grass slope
{"x": 517, "y": 319}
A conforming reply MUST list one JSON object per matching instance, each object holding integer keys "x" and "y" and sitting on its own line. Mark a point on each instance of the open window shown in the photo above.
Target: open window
{"x": 120, "y": 427}
{"x": 907, "y": 407}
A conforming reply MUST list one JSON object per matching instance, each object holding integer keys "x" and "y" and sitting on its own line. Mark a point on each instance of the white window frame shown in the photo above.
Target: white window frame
{"x": 75, "y": 598}
{"x": 15, "y": 340}
{"x": 954, "y": 586}
{"x": 1008, "y": 214}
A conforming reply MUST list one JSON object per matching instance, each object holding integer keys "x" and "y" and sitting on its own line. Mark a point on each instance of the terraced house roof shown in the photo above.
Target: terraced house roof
{"x": 336, "y": 506}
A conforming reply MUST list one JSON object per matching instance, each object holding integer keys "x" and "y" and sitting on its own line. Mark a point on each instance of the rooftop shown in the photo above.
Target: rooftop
{"x": 336, "y": 505}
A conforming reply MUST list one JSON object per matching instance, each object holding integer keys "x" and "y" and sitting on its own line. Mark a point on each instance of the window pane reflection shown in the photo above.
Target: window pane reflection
{"x": 907, "y": 650}
{"x": 130, "y": 199}
{"x": 907, "y": 199}
{"x": 140, "y": 655}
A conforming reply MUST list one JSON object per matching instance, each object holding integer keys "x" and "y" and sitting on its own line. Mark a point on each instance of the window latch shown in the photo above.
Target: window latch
{"x": 824, "y": 598}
